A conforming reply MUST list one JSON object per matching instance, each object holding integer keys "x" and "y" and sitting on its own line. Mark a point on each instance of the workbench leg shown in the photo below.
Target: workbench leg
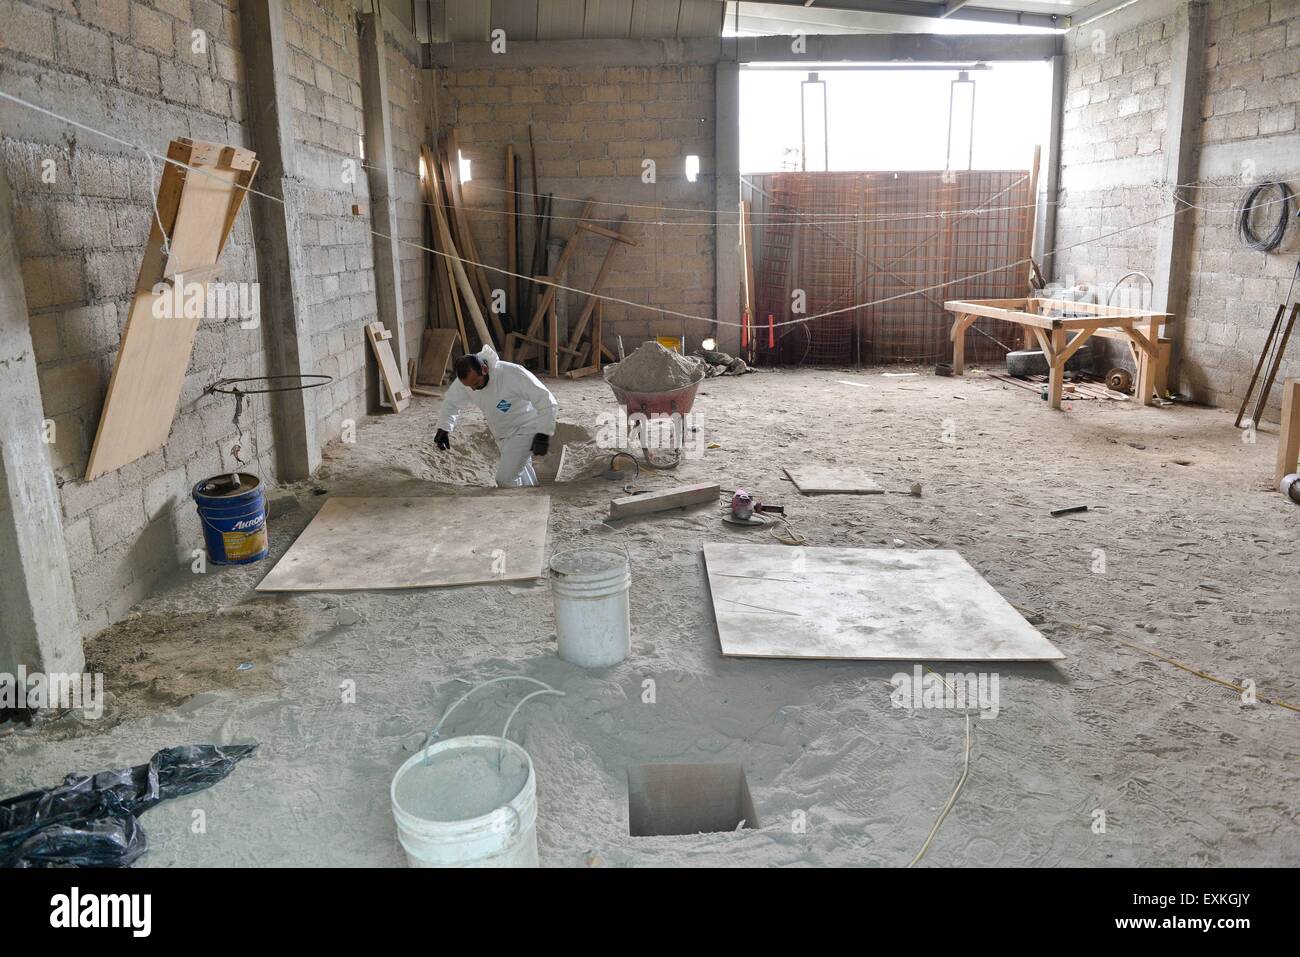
{"x": 1163, "y": 351}
{"x": 959, "y": 345}
{"x": 1056, "y": 375}
{"x": 1288, "y": 440}
{"x": 1146, "y": 366}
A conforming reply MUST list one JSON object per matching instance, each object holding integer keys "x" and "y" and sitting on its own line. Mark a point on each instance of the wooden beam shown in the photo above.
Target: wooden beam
{"x": 1075, "y": 344}
{"x": 512, "y": 263}
{"x": 747, "y": 244}
{"x": 449, "y": 247}
{"x": 570, "y": 247}
{"x": 607, "y": 233}
{"x": 1288, "y": 441}
{"x": 1056, "y": 374}
{"x": 580, "y": 327}
{"x": 679, "y": 497}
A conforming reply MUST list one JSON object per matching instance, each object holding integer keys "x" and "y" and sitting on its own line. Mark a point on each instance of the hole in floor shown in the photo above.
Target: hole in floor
{"x": 688, "y": 799}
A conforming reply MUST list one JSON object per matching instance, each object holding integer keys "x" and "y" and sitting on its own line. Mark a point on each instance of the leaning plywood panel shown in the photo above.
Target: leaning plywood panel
{"x": 197, "y": 205}
{"x": 363, "y": 544}
{"x": 892, "y": 604}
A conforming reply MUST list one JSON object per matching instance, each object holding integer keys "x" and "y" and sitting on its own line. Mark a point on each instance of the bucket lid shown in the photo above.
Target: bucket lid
{"x": 587, "y": 561}
{"x": 221, "y": 486}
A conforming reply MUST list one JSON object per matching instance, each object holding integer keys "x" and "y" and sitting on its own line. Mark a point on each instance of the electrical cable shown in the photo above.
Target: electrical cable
{"x": 1246, "y": 212}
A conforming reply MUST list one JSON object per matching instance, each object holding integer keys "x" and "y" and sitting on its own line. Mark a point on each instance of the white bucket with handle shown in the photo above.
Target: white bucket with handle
{"x": 469, "y": 801}
{"x": 593, "y": 616}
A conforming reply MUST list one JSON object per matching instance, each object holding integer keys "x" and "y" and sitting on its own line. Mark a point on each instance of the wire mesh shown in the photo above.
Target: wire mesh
{"x": 824, "y": 241}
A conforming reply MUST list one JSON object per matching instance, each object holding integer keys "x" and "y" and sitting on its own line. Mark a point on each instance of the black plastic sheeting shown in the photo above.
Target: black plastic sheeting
{"x": 90, "y": 821}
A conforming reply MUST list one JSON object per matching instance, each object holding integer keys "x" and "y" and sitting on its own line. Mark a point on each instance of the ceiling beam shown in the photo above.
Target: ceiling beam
{"x": 960, "y": 10}
{"x": 835, "y": 48}
{"x": 1095, "y": 11}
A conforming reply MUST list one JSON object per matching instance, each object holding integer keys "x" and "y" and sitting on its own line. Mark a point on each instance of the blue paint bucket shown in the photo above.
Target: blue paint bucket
{"x": 232, "y": 509}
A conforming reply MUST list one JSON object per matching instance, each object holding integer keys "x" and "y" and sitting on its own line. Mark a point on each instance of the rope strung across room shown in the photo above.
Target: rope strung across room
{"x": 659, "y": 310}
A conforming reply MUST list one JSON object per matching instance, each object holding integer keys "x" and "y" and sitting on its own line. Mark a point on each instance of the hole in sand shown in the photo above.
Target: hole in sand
{"x": 688, "y": 799}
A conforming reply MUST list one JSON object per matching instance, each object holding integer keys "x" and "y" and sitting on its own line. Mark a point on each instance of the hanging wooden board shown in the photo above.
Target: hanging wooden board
{"x": 398, "y": 395}
{"x": 197, "y": 207}
{"x": 886, "y": 604}
{"x": 362, "y": 544}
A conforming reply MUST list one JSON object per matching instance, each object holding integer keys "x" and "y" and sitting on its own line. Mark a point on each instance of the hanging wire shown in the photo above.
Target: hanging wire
{"x": 1246, "y": 212}
{"x": 657, "y": 310}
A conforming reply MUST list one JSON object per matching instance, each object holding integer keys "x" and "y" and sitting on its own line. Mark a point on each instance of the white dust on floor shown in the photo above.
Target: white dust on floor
{"x": 1196, "y": 562}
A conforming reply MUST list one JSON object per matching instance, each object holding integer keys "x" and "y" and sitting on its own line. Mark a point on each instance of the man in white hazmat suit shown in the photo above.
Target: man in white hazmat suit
{"x": 519, "y": 410}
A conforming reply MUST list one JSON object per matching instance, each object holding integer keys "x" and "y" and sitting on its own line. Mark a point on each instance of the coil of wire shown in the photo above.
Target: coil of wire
{"x": 1246, "y": 214}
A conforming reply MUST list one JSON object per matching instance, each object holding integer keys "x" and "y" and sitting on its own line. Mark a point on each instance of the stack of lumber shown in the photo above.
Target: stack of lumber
{"x": 460, "y": 289}
{"x": 461, "y": 295}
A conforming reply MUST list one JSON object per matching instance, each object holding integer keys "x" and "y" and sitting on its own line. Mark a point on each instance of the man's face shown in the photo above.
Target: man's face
{"x": 474, "y": 379}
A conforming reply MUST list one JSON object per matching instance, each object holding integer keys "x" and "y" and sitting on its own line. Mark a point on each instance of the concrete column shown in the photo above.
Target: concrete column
{"x": 1047, "y": 263}
{"x": 277, "y": 234}
{"x": 726, "y": 183}
{"x": 379, "y": 173}
{"x": 1170, "y": 277}
{"x": 38, "y": 612}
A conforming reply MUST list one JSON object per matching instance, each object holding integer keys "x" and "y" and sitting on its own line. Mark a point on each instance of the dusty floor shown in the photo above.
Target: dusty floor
{"x": 1200, "y": 565}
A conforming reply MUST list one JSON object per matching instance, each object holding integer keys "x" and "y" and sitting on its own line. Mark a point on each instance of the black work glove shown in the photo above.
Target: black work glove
{"x": 541, "y": 443}
{"x": 442, "y": 439}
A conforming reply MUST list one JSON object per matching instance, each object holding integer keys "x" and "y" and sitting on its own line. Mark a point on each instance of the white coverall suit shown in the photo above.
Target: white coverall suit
{"x": 516, "y": 405}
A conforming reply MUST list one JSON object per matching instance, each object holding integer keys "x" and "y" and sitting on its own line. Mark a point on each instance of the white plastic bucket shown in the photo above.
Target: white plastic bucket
{"x": 451, "y": 812}
{"x": 593, "y": 617}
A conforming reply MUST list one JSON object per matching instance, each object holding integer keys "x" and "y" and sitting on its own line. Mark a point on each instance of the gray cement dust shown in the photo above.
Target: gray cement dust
{"x": 1199, "y": 566}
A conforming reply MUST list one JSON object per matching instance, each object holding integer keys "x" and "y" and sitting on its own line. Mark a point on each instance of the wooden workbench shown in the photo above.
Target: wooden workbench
{"x": 1050, "y": 321}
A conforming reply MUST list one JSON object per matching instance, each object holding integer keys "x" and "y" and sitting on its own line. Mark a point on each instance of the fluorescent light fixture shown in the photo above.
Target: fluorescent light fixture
{"x": 465, "y": 173}
{"x": 692, "y": 168}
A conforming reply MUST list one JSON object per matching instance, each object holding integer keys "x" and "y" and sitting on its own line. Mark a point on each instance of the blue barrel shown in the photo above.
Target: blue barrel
{"x": 232, "y": 509}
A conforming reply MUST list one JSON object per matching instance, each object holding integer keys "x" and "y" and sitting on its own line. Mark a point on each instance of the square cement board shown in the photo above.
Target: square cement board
{"x": 361, "y": 544}
{"x": 774, "y": 601}
{"x": 824, "y": 480}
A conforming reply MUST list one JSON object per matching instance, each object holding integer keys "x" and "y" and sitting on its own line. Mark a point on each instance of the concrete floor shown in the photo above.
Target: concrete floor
{"x": 1200, "y": 566}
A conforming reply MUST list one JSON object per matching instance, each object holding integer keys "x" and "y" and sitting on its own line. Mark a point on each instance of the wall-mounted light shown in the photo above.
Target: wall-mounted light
{"x": 361, "y": 146}
{"x": 466, "y": 174}
{"x": 692, "y": 168}
{"x": 709, "y": 345}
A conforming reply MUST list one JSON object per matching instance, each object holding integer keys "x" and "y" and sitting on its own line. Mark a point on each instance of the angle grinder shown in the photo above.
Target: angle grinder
{"x": 747, "y": 510}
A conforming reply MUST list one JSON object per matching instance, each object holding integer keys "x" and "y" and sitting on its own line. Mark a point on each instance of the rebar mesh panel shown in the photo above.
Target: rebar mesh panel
{"x": 904, "y": 242}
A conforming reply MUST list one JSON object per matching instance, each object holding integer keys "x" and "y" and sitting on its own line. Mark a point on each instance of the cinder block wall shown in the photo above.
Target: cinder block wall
{"x": 1252, "y": 88}
{"x": 325, "y": 67}
{"x": 1117, "y": 89}
{"x": 593, "y": 127}
{"x": 1112, "y": 176}
{"x": 410, "y": 101}
{"x": 82, "y": 205}
{"x": 82, "y": 208}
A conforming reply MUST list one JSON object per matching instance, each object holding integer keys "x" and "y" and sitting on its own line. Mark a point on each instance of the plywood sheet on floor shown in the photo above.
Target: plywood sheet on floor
{"x": 825, "y": 480}
{"x": 363, "y": 544}
{"x": 774, "y": 601}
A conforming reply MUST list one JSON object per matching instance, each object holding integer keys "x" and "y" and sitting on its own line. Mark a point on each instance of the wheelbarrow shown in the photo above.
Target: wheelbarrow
{"x": 676, "y": 403}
